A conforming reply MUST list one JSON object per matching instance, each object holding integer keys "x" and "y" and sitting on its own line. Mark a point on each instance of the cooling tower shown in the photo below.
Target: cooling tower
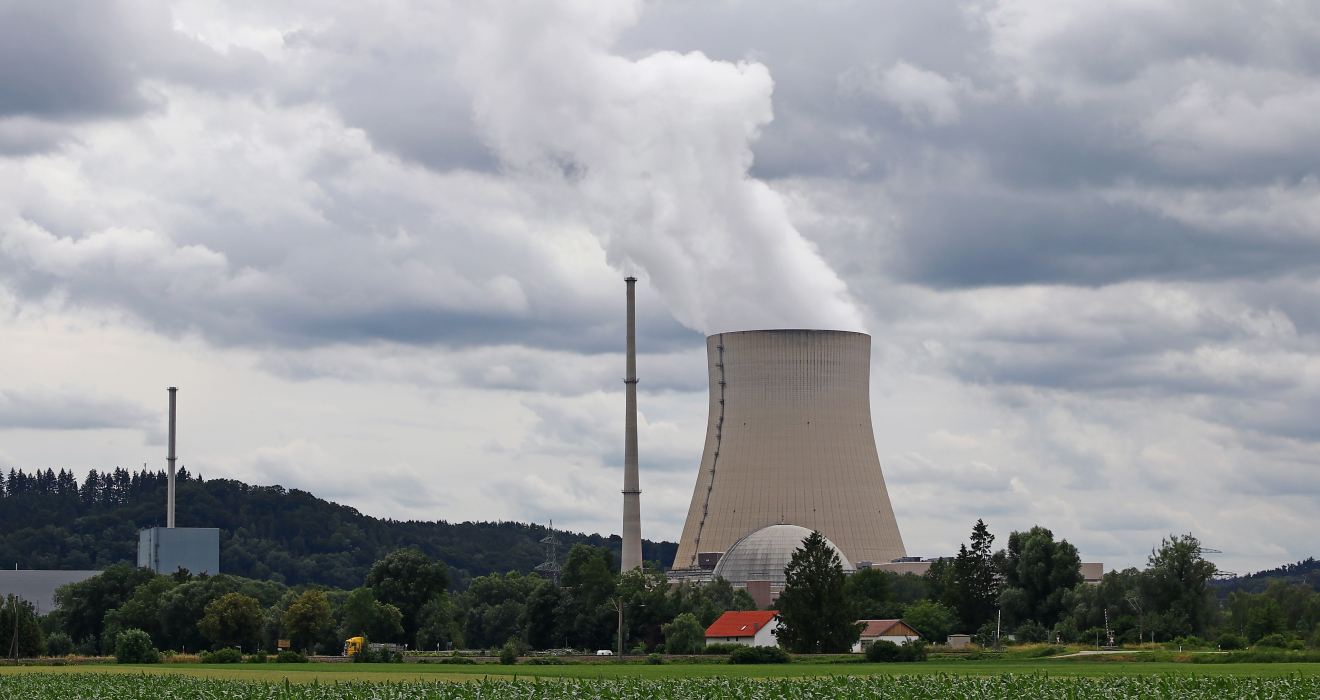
{"x": 789, "y": 441}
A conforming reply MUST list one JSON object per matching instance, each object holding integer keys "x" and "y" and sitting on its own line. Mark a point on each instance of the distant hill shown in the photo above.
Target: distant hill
{"x": 50, "y": 521}
{"x": 1306, "y": 571}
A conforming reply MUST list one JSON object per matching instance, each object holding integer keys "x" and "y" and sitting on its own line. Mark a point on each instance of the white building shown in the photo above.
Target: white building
{"x": 753, "y": 628}
{"x": 895, "y": 631}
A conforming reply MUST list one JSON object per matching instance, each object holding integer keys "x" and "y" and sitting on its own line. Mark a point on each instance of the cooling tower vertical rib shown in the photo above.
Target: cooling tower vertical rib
{"x": 715, "y": 458}
{"x": 789, "y": 437}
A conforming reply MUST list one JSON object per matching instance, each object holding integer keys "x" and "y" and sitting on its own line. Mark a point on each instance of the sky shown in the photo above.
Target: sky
{"x": 379, "y": 247}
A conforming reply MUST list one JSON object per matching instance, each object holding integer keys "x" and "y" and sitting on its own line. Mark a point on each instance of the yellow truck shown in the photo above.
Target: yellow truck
{"x": 354, "y": 645}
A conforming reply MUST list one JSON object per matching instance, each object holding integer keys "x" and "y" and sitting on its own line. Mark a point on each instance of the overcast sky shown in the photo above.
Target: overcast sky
{"x": 380, "y": 249}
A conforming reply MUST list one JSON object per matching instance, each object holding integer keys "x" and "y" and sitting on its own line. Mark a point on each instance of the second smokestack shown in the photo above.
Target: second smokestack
{"x": 631, "y": 556}
{"x": 169, "y": 492}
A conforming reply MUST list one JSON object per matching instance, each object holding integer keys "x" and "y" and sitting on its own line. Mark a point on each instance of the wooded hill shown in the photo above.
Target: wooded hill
{"x": 50, "y": 521}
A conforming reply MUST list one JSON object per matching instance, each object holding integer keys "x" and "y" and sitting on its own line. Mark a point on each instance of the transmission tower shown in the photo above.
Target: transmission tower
{"x": 550, "y": 566}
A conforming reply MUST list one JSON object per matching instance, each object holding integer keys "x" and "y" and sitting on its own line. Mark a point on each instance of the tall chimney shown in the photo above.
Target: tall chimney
{"x": 169, "y": 493}
{"x": 632, "y": 493}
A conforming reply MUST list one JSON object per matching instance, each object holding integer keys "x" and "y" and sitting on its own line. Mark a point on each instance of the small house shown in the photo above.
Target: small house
{"x": 895, "y": 631}
{"x": 753, "y": 628}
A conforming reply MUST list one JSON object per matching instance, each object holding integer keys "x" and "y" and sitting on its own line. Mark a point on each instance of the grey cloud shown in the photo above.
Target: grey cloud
{"x": 72, "y": 409}
{"x": 66, "y": 60}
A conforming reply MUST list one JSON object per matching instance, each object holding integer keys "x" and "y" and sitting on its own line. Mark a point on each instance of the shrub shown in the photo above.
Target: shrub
{"x": 1231, "y": 642}
{"x": 290, "y": 657}
{"x": 759, "y": 655}
{"x": 1031, "y": 632}
{"x": 223, "y": 656}
{"x": 257, "y": 658}
{"x": 59, "y": 644}
{"x": 882, "y": 651}
{"x": 534, "y": 661}
{"x": 134, "y": 647}
{"x": 655, "y": 660}
{"x": 721, "y": 648}
{"x": 1273, "y": 640}
{"x": 684, "y": 635}
{"x": 1191, "y": 642}
{"x": 509, "y": 653}
{"x": 466, "y": 660}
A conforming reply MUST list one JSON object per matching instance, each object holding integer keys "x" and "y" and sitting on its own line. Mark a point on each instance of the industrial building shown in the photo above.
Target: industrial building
{"x": 38, "y": 586}
{"x": 788, "y": 442}
{"x": 165, "y": 550}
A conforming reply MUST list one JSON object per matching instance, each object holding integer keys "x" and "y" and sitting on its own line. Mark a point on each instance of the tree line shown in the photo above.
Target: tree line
{"x": 48, "y": 520}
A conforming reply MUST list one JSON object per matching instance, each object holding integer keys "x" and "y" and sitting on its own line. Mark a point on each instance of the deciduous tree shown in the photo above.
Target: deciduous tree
{"x": 308, "y": 617}
{"x": 233, "y": 620}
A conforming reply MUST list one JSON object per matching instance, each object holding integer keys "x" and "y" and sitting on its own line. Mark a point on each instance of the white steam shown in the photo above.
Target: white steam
{"x": 653, "y": 154}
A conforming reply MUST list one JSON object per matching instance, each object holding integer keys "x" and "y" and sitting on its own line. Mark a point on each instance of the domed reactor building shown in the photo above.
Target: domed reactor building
{"x": 788, "y": 442}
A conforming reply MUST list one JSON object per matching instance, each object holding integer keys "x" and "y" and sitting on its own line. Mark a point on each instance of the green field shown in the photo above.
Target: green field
{"x": 330, "y": 673}
{"x": 65, "y": 685}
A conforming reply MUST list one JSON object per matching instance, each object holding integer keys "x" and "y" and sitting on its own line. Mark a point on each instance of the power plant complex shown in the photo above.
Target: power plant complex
{"x": 167, "y": 549}
{"x": 789, "y": 450}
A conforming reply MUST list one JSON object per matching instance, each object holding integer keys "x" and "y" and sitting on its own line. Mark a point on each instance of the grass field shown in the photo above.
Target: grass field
{"x": 330, "y": 673}
{"x": 63, "y": 685}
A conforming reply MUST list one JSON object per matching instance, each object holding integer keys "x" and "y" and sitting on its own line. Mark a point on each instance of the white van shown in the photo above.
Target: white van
{"x": 604, "y": 652}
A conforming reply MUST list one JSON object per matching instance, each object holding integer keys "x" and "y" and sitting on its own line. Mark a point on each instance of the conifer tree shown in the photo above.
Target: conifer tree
{"x": 815, "y": 612}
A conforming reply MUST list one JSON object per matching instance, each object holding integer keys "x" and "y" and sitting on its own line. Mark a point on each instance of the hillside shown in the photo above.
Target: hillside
{"x": 50, "y": 521}
{"x": 1306, "y": 571}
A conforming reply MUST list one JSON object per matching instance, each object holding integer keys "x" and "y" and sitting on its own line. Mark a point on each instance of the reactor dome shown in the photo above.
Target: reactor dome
{"x": 763, "y": 554}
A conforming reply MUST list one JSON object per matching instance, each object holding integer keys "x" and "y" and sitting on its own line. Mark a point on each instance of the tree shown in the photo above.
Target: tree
{"x": 84, "y": 604}
{"x": 973, "y": 586}
{"x": 408, "y": 580}
{"x": 1180, "y": 583}
{"x": 142, "y": 610}
{"x": 1265, "y": 619}
{"x": 539, "y": 616}
{"x": 134, "y": 647}
{"x": 684, "y": 635}
{"x": 931, "y": 619}
{"x": 1043, "y": 571}
{"x": 308, "y": 617}
{"x": 816, "y": 615}
{"x": 233, "y": 620}
{"x": 31, "y": 642}
{"x": 589, "y": 612}
{"x": 364, "y": 616}
{"x": 870, "y": 590}
{"x": 437, "y": 626}
{"x": 180, "y": 607}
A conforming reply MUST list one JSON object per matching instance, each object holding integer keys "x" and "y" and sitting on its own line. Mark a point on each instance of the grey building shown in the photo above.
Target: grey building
{"x": 38, "y": 587}
{"x": 165, "y": 549}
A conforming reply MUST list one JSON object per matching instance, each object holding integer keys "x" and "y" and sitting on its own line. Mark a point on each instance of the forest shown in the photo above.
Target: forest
{"x": 50, "y": 521}
{"x": 300, "y": 567}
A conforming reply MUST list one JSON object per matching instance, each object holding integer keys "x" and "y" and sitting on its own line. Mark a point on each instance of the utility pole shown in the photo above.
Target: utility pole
{"x": 620, "y": 628}
{"x": 1135, "y": 601}
{"x": 13, "y": 647}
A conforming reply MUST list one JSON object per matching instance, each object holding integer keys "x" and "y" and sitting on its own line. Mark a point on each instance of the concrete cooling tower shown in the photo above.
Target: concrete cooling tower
{"x": 789, "y": 441}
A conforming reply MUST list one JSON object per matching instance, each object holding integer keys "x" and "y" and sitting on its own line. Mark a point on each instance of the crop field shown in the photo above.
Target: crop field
{"x": 299, "y": 674}
{"x": 143, "y": 686}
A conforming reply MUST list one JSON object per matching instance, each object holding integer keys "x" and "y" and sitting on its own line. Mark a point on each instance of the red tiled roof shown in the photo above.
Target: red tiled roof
{"x": 740, "y": 623}
{"x": 882, "y": 628}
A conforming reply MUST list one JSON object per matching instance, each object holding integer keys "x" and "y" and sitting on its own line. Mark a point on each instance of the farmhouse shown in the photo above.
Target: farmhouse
{"x": 895, "y": 631}
{"x": 753, "y": 628}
